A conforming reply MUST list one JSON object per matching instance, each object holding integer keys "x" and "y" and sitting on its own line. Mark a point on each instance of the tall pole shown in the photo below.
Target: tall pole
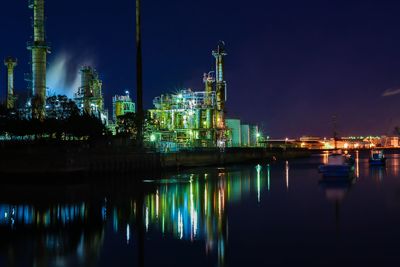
{"x": 139, "y": 74}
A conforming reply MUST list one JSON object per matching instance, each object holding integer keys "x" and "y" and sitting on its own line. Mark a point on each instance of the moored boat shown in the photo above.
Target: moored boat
{"x": 338, "y": 165}
{"x": 377, "y": 158}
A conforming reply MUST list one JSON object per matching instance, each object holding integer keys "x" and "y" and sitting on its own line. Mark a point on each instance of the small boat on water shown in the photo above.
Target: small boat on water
{"x": 377, "y": 158}
{"x": 338, "y": 165}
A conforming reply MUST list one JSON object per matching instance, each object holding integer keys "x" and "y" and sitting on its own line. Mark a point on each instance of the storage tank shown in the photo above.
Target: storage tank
{"x": 235, "y": 128}
{"x": 253, "y": 135}
{"x": 245, "y": 133}
{"x": 209, "y": 118}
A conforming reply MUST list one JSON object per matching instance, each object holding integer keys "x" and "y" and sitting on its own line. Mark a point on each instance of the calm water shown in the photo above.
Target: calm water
{"x": 278, "y": 214}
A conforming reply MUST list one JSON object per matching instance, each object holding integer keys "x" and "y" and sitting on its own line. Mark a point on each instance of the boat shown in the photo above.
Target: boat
{"x": 338, "y": 165}
{"x": 377, "y": 158}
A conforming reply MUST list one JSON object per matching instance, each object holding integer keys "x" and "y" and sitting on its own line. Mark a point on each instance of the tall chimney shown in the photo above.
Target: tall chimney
{"x": 219, "y": 55}
{"x": 10, "y": 63}
{"x": 39, "y": 49}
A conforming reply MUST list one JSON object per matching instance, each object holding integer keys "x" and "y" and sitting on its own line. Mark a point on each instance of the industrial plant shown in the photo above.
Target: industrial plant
{"x": 88, "y": 97}
{"x": 180, "y": 120}
{"x": 190, "y": 118}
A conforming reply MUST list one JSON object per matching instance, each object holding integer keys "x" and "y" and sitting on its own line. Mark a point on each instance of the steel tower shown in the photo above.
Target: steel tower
{"x": 39, "y": 49}
{"x": 10, "y": 63}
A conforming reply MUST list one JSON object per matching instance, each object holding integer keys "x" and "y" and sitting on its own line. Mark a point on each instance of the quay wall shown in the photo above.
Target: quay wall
{"x": 75, "y": 158}
{"x": 228, "y": 156}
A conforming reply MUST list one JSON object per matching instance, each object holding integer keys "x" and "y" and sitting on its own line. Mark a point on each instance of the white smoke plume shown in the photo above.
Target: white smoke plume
{"x": 391, "y": 92}
{"x": 63, "y": 76}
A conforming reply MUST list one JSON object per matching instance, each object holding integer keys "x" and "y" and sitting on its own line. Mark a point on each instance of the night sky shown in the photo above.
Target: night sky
{"x": 291, "y": 65}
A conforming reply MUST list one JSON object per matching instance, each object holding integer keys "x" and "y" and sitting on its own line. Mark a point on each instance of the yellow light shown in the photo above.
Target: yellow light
{"x": 346, "y": 145}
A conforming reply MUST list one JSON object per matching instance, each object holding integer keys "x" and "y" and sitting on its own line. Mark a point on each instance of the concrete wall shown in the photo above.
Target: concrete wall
{"x": 229, "y": 156}
{"x": 63, "y": 159}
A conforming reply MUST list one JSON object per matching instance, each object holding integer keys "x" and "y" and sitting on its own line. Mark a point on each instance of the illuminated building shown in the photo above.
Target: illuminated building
{"x": 350, "y": 142}
{"x": 186, "y": 117}
{"x": 122, "y": 104}
{"x": 193, "y": 118}
{"x": 89, "y": 97}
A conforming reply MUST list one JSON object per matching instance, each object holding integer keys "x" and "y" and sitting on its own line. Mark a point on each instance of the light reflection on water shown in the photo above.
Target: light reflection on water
{"x": 196, "y": 208}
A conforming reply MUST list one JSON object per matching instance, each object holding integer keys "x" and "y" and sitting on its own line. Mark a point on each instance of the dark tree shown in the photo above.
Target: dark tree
{"x": 60, "y": 107}
{"x": 127, "y": 125}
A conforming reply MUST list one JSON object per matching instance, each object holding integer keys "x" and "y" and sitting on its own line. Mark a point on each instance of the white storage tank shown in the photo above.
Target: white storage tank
{"x": 245, "y": 133}
{"x": 234, "y": 126}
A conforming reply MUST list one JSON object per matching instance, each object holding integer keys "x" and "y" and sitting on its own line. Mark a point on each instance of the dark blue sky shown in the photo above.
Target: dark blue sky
{"x": 291, "y": 65}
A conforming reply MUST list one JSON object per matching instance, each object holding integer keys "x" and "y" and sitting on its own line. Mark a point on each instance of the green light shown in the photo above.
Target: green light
{"x": 152, "y": 138}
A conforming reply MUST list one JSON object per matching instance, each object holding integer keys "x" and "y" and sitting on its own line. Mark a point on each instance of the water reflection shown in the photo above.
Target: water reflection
{"x": 357, "y": 163}
{"x": 378, "y": 172}
{"x": 196, "y": 210}
{"x": 54, "y": 232}
{"x": 189, "y": 207}
{"x": 287, "y": 174}
{"x": 193, "y": 208}
{"x": 336, "y": 189}
{"x": 394, "y": 163}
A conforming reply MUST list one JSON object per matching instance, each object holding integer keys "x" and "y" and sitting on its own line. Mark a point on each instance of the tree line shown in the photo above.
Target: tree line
{"x": 63, "y": 122}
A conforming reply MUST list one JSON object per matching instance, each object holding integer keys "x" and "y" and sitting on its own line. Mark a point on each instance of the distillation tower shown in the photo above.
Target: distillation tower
{"x": 89, "y": 97}
{"x": 39, "y": 49}
{"x": 10, "y": 63}
{"x": 220, "y": 83}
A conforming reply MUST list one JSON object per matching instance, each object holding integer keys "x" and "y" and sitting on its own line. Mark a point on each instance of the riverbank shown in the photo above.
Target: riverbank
{"x": 66, "y": 158}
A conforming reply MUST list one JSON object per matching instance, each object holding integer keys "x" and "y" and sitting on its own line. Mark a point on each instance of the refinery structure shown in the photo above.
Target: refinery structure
{"x": 180, "y": 120}
{"x": 188, "y": 118}
{"x": 89, "y": 97}
{"x": 194, "y": 118}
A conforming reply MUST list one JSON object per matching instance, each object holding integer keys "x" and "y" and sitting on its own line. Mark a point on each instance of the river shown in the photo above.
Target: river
{"x": 270, "y": 214}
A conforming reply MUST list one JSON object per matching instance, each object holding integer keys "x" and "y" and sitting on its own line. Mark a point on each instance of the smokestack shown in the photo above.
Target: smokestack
{"x": 39, "y": 49}
{"x": 10, "y": 63}
{"x": 219, "y": 55}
